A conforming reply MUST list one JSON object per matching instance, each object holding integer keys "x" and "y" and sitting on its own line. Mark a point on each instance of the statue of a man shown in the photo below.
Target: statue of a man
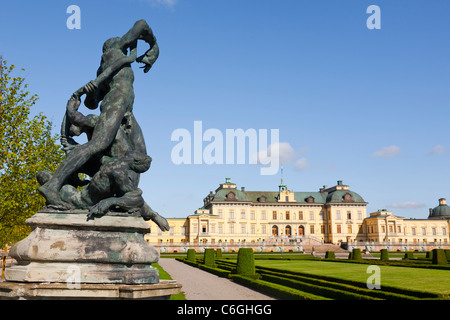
{"x": 114, "y": 88}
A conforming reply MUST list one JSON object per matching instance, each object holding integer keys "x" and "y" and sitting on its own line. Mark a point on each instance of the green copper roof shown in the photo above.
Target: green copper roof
{"x": 441, "y": 211}
{"x": 337, "y": 196}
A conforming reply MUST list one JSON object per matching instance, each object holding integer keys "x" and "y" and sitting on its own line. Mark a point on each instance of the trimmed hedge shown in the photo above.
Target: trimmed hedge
{"x": 408, "y": 255}
{"x": 219, "y": 253}
{"x": 275, "y": 290}
{"x": 245, "y": 262}
{"x": 402, "y": 291}
{"x": 439, "y": 256}
{"x": 356, "y": 254}
{"x": 330, "y": 255}
{"x": 209, "y": 258}
{"x": 447, "y": 254}
{"x": 384, "y": 256}
{"x": 333, "y": 288}
{"x": 191, "y": 254}
{"x": 316, "y": 289}
{"x": 286, "y": 284}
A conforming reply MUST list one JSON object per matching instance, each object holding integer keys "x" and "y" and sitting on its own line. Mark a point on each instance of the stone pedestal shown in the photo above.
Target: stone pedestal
{"x": 58, "y": 291}
{"x": 65, "y": 247}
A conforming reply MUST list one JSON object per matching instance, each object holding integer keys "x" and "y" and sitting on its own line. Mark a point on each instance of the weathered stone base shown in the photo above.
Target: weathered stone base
{"x": 64, "y": 246}
{"x": 82, "y": 273}
{"x": 61, "y": 291}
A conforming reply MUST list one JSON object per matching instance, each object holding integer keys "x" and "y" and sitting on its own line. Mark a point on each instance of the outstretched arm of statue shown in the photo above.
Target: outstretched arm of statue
{"x": 108, "y": 72}
{"x": 75, "y": 117}
{"x": 142, "y": 31}
{"x": 90, "y": 88}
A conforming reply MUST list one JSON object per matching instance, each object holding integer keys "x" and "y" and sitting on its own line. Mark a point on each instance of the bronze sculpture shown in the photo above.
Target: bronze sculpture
{"x": 115, "y": 153}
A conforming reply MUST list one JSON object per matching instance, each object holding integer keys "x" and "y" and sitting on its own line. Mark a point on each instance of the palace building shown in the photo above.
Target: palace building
{"x": 232, "y": 217}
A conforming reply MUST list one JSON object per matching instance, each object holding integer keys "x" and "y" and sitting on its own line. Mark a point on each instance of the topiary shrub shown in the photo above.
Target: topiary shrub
{"x": 384, "y": 256}
{"x": 191, "y": 255}
{"x": 447, "y": 254}
{"x": 330, "y": 255}
{"x": 408, "y": 256}
{"x": 245, "y": 262}
{"x": 209, "y": 258}
{"x": 356, "y": 254}
{"x": 439, "y": 256}
{"x": 219, "y": 253}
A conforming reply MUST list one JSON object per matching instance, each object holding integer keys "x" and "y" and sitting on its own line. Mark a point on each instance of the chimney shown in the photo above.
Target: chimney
{"x": 442, "y": 202}
{"x": 242, "y": 188}
{"x": 339, "y": 183}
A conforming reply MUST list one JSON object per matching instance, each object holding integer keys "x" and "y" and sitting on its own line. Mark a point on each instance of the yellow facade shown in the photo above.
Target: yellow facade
{"x": 383, "y": 226}
{"x": 232, "y": 217}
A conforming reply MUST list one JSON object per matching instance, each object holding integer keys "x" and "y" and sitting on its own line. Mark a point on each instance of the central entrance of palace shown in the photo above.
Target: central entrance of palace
{"x": 288, "y": 231}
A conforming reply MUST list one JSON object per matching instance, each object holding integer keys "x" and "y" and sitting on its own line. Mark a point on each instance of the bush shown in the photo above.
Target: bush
{"x": 216, "y": 271}
{"x": 447, "y": 254}
{"x": 191, "y": 254}
{"x": 330, "y": 255}
{"x": 439, "y": 256}
{"x": 245, "y": 262}
{"x": 408, "y": 256}
{"x": 356, "y": 254}
{"x": 384, "y": 255}
{"x": 219, "y": 253}
{"x": 209, "y": 258}
{"x": 275, "y": 290}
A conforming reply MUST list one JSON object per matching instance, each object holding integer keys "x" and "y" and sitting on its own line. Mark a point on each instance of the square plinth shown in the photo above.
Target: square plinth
{"x": 62, "y": 291}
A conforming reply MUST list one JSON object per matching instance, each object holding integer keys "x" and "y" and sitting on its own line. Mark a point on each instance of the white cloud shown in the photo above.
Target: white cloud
{"x": 301, "y": 164}
{"x": 437, "y": 150}
{"x": 407, "y": 205}
{"x": 387, "y": 152}
{"x": 284, "y": 151}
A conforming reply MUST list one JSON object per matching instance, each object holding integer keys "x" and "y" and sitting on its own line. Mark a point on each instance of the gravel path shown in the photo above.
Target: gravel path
{"x": 201, "y": 285}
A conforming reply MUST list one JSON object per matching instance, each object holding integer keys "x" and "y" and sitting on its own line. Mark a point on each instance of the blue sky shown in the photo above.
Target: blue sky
{"x": 369, "y": 107}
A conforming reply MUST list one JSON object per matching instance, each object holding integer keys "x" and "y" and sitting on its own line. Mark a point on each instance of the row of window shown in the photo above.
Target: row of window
{"x": 288, "y": 215}
{"x": 415, "y": 241}
{"x": 323, "y": 229}
{"x": 263, "y": 229}
{"x": 414, "y": 230}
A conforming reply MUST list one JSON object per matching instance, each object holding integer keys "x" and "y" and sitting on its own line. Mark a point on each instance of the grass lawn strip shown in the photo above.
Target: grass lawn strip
{"x": 434, "y": 281}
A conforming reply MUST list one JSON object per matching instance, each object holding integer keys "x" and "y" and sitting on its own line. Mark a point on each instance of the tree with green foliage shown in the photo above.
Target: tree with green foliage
{"x": 27, "y": 146}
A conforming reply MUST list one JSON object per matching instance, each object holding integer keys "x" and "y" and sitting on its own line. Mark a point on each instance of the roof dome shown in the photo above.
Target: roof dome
{"x": 344, "y": 196}
{"x": 442, "y": 211}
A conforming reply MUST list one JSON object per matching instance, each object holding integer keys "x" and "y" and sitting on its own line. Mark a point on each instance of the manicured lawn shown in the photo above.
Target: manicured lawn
{"x": 430, "y": 280}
